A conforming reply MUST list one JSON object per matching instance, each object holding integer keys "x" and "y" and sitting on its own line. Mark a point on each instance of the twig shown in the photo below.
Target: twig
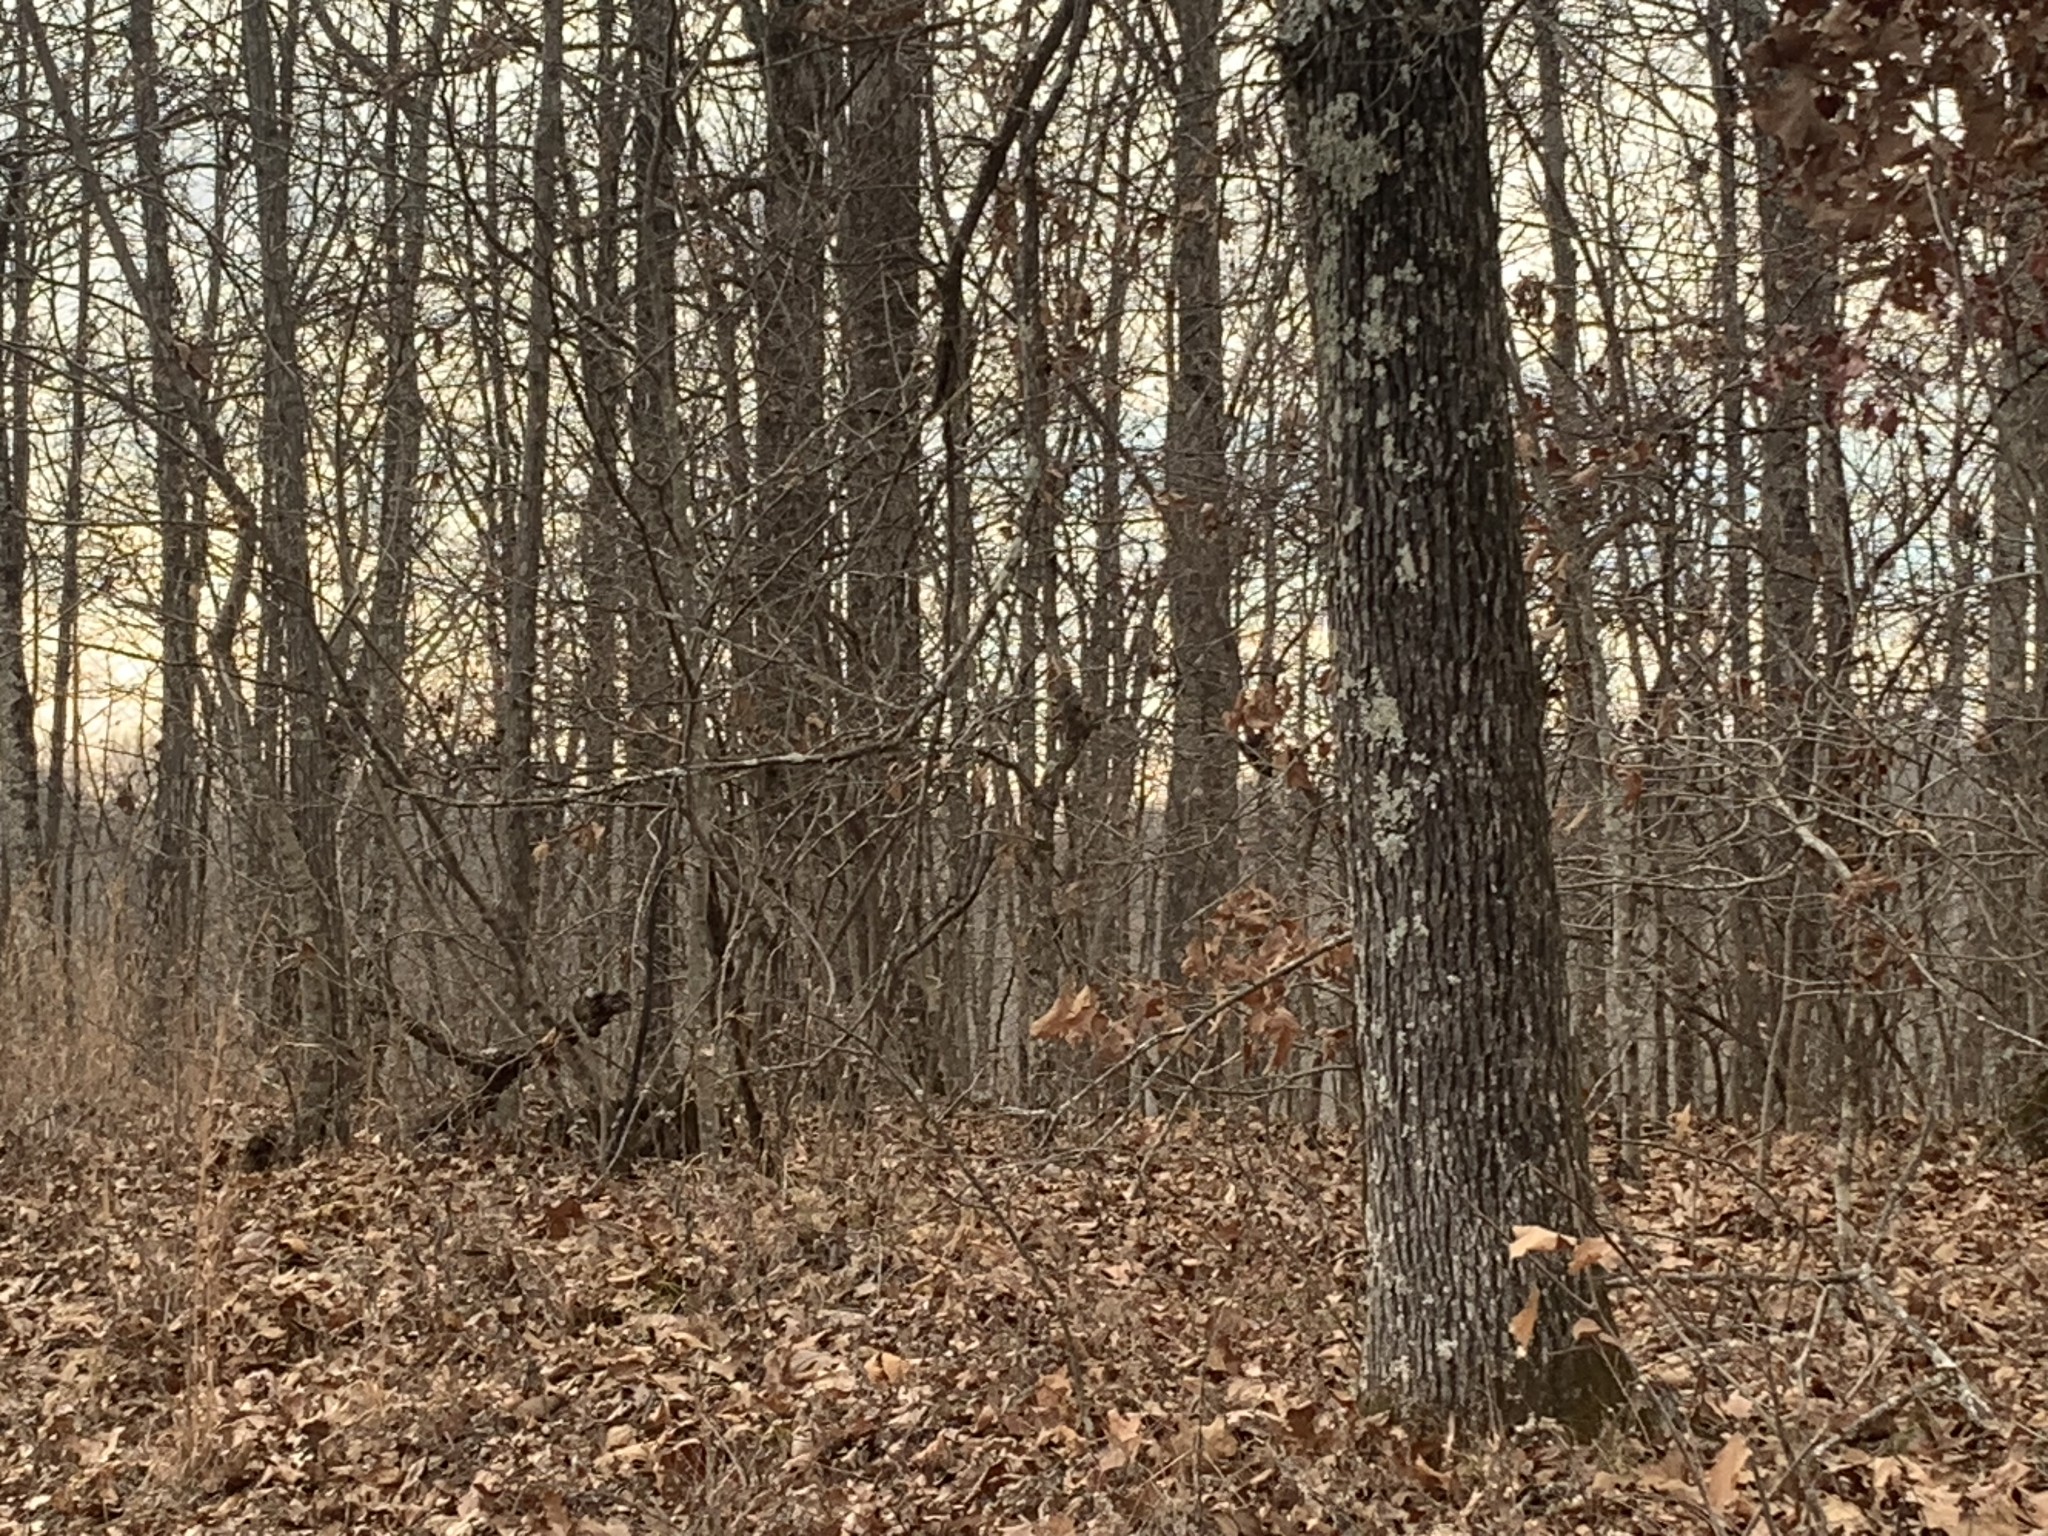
{"x": 1967, "y": 1397}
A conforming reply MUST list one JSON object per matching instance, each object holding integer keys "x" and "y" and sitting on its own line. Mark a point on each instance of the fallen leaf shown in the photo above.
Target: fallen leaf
{"x": 1726, "y": 1471}
{"x": 887, "y": 1370}
{"x": 1126, "y": 1439}
{"x": 1218, "y": 1442}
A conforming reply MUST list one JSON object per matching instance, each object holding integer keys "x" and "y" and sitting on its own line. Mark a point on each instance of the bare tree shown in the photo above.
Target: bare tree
{"x": 20, "y": 840}
{"x": 1201, "y": 534}
{"x": 304, "y": 831}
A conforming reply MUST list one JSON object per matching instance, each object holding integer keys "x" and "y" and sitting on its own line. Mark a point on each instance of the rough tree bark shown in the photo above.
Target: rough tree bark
{"x": 789, "y": 645}
{"x": 880, "y": 268}
{"x": 1472, "y": 1118}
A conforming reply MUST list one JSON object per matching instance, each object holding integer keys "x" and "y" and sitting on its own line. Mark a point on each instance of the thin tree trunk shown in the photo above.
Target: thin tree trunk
{"x": 64, "y": 663}
{"x": 1796, "y": 285}
{"x": 523, "y": 565}
{"x": 660, "y": 605}
{"x": 379, "y": 690}
{"x": 1201, "y": 787}
{"x": 332, "y": 1075}
{"x": 1601, "y": 993}
{"x": 20, "y": 842}
{"x": 601, "y": 321}
{"x": 1106, "y": 771}
{"x": 880, "y": 266}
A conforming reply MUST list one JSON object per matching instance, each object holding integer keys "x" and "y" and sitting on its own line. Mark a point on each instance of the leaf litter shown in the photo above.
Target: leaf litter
{"x": 1150, "y": 1332}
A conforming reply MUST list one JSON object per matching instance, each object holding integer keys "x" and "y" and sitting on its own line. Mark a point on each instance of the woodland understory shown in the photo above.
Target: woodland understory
{"x": 1142, "y": 1326}
{"x": 736, "y": 742}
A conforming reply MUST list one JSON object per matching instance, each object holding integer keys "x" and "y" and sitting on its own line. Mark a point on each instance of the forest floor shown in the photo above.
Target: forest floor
{"x": 1149, "y": 1331}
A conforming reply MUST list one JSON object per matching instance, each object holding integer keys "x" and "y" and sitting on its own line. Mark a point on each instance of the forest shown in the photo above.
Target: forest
{"x": 1038, "y": 766}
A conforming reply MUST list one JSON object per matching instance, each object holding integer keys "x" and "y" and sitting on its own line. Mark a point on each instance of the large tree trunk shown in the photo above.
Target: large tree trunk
{"x": 2015, "y": 614}
{"x": 1472, "y": 1114}
{"x": 792, "y": 533}
{"x": 880, "y": 266}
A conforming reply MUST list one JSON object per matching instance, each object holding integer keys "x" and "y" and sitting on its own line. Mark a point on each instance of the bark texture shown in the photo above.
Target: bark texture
{"x": 1472, "y": 1115}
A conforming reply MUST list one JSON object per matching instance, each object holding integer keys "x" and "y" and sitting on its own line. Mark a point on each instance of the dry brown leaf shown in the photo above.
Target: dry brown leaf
{"x": 1126, "y": 1439}
{"x": 1532, "y": 1239}
{"x": 1219, "y": 1443}
{"x": 1726, "y": 1472}
{"x": 1591, "y": 1252}
{"x": 1522, "y": 1326}
{"x": 1667, "y": 1474}
{"x": 1053, "y": 1390}
{"x": 886, "y": 1369}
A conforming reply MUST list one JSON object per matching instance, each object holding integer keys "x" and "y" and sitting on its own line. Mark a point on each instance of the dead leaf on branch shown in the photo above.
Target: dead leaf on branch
{"x": 1592, "y": 1253}
{"x": 1522, "y": 1326}
{"x": 1534, "y": 1239}
{"x": 1073, "y": 1019}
